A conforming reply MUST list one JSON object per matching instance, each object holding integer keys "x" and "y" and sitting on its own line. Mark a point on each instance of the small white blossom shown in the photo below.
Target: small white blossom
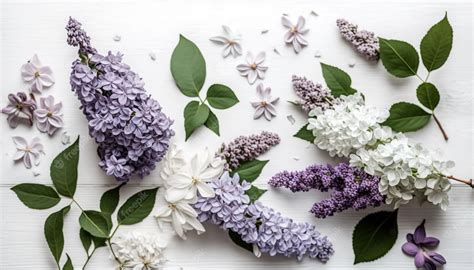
{"x": 230, "y": 41}
{"x": 28, "y": 152}
{"x": 138, "y": 251}
{"x": 40, "y": 76}
{"x": 295, "y": 33}
{"x": 254, "y": 68}
{"x": 265, "y": 105}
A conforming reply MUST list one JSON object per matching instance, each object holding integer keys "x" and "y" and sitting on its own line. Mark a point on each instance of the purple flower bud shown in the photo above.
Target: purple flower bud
{"x": 363, "y": 41}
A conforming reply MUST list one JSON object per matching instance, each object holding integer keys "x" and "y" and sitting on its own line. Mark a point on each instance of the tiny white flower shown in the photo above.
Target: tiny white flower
{"x": 254, "y": 68}
{"x": 40, "y": 76}
{"x": 230, "y": 41}
{"x": 28, "y": 152}
{"x": 295, "y": 33}
{"x": 265, "y": 105}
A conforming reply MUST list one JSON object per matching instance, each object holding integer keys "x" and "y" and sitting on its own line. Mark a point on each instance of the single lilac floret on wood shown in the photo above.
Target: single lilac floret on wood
{"x": 20, "y": 109}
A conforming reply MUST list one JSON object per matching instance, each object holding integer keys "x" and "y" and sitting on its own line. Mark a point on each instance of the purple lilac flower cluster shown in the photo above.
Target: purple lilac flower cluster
{"x": 352, "y": 187}
{"x": 312, "y": 94}
{"x": 129, "y": 126}
{"x": 245, "y": 148}
{"x": 259, "y": 225}
{"x": 363, "y": 41}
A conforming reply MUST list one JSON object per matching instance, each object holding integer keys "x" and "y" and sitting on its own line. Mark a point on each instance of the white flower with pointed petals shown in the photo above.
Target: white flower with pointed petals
{"x": 172, "y": 162}
{"x": 180, "y": 214}
{"x": 230, "y": 41}
{"x": 194, "y": 178}
{"x": 49, "y": 117}
{"x": 28, "y": 152}
{"x": 40, "y": 76}
{"x": 295, "y": 33}
{"x": 265, "y": 105}
{"x": 254, "y": 67}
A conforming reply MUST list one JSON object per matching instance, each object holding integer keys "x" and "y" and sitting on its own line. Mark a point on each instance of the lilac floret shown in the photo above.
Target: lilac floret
{"x": 259, "y": 225}
{"x": 128, "y": 124}
{"x": 351, "y": 187}
{"x": 364, "y": 42}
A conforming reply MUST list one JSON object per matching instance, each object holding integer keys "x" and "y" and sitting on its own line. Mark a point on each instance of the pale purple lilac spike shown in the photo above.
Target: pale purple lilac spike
{"x": 128, "y": 124}
{"x": 311, "y": 94}
{"x": 272, "y": 233}
{"x": 352, "y": 188}
{"x": 246, "y": 148}
{"x": 364, "y": 42}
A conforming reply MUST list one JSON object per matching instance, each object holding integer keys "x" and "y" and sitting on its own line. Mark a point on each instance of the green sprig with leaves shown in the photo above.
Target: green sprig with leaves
{"x": 96, "y": 227}
{"x": 188, "y": 68}
{"x": 402, "y": 60}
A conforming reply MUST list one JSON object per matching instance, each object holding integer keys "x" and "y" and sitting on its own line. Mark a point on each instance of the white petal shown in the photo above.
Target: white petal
{"x": 252, "y": 76}
{"x": 163, "y": 211}
{"x": 258, "y": 112}
{"x": 260, "y": 58}
{"x": 219, "y": 39}
{"x": 286, "y": 22}
{"x": 20, "y": 142}
{"x": 205, "y": 190}
{"x": 249, "y": 58}
{"x": 289, "y": 37}
{"x": 301, "y": 23}
{"x": 296, "y": 46}
{"x": 35, "y": 61}
{"x": 227, "y": 50}
{"x": 18, "y": 155}
{"x": 227, "y": 31}
{"x": 27, "y": 160}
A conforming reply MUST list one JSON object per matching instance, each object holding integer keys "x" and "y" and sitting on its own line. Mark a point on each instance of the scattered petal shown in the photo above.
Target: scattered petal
{"x": 276, "y": 51}
{"x": 317, "y": 54}
{"x": 36, "y": 173}
{"x": 351, "y": 63}
{"x": 314, "y": 13}
{"x": 117, "y": 38}
{"x": 264, "y": 31}
{"x": 291, "y": 119}
{"x": 152, "y": 56}
{"x": 65, "y": 138}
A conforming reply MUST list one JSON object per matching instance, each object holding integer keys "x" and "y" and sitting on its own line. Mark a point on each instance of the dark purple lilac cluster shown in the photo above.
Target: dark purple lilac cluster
{"x": 259, "y": 225}
{"x": 311, "y": 94}
{"x": 364, "y": 42}
{"x": 132, "y": 131}
{"x": 351, "y": 187}
{"x": 246, "y": 148}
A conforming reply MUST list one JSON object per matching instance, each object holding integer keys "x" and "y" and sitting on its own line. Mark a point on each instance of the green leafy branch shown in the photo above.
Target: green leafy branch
{"x": 402, "y": 60}
{"x": 188, "y": 68}
{"x": 96, "y": 226}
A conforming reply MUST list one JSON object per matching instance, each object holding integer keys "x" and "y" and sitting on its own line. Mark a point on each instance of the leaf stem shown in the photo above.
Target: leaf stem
{"x": 445, "y": 135}
{"x": 88, "y": 258}
{"x": 427, "y": 76}
{"x": 113, "y": 253}
{"x": 464, "y": 181}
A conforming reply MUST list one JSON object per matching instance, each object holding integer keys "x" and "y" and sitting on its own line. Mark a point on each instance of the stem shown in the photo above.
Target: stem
{"x": 440, "y": 127}
{"x": 113, "y": 253}
{"x": 427, "y": 76}
{"x": 467, "y": 182}
{"x": 88, "y": 258}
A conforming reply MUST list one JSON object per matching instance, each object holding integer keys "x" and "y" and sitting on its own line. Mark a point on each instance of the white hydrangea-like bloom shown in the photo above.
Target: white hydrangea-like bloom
{"x": 136, "y": 250}
{"x": 347, "y": 126}
{"x": 352, "y": 129}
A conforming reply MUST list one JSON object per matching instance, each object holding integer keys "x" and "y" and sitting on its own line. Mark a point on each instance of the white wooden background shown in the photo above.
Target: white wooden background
{"x": 37, "y": 26}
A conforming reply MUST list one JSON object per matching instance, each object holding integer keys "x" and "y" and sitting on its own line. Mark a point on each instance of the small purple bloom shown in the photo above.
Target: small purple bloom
{"x": 417, "y": 246}
{"x": 20, "y": 108}
{"x": 49, "y": 117}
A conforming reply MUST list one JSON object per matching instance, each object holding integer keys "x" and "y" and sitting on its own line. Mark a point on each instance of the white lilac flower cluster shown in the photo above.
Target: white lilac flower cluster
{"x": 352, "y": 129}
{"x": 136, "y": 250}
{"x": 182, "y": 182}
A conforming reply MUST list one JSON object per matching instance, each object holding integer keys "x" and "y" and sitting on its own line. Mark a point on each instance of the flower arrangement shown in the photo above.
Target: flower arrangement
{"x": 128, "y": 124}
{"x": 217, "y": 188}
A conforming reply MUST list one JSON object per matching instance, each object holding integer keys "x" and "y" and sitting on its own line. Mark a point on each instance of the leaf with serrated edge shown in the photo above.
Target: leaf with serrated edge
{"x": 428, "y": 95}
{"x": 406, "y": 117}
{"x": 399, "y": 57}
{"x": 137, "y": 207}
{"x": 436, "y": 44}
{"x": 36, "y": 196}
{"x": 374, "y": 236}
{"x": 188, "y": 67}
{"x": 63, "y": 170}
{"x": 250, "y": 170}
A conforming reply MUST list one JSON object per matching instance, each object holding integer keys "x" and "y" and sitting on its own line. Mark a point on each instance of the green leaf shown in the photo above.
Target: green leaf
{"x": 374, "y": 236}
{"x": 86, "y": 239}
{"x": 212, "y": 123}
{"x": 53, "y": 231}
{"x": 428, "y": 95}
{"x": 221, "y": 97}
{"x": 399, "y": 57}
{"x": 110, "y": 199}
{"x": 99, "y": 242}
{"x": 406, "y": 117}
{"x": 95, "y": 223}
{"x": 188, "y": 67}
{"x": 305, "y": 134}
{"x": 337, "y": 80}
{"x": 195, "y": 115}
{"x": 255, "y": 193}
{"x": 235, "y": 237}
{"x": 436, "y": 44}
{"x": 36, "y": 196}
{"x": 137, "y": 207}
{"x": 68, "y": 264}
{"x": 64, "y": 170}
{"x": 250, "y": 170}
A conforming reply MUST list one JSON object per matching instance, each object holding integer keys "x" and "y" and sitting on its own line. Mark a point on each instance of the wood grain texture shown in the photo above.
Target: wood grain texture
{"x": 37, "y": 26}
